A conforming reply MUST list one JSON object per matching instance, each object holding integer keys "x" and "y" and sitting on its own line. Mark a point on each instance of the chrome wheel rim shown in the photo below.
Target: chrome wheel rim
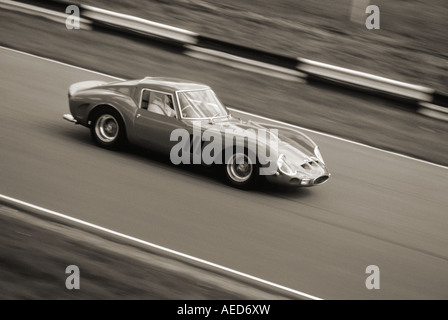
{"x": 239, "y": 172}
{"x": 106, "y": 128}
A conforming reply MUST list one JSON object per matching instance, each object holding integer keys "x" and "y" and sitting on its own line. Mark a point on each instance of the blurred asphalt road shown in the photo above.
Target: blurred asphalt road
{"x": 377, "y": 209}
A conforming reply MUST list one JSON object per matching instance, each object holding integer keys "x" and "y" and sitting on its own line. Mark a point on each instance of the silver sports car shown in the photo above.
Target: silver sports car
{"x": 187, "y": 121}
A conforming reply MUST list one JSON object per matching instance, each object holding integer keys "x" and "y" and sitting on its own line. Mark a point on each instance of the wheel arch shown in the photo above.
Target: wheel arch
{"x": 101, "y": 108}
{"x": 232, "y": 149}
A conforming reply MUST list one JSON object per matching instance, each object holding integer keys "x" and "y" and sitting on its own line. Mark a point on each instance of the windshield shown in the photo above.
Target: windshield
{"x": 199, "y": 104}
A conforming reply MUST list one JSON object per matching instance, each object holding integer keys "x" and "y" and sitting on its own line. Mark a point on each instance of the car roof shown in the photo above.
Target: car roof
{"x": 171, "y": 84}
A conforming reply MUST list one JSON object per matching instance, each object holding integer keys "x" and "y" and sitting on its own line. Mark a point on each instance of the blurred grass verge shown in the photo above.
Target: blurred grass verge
{"x": 36, "y": 252}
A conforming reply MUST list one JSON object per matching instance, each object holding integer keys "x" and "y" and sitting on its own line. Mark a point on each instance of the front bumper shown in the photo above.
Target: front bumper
{"x": 69, "y": 118}
{"x": 299, "y": 181}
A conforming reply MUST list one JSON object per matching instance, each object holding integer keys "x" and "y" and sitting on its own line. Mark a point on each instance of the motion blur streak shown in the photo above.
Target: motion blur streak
{"x": 378, "y": 209}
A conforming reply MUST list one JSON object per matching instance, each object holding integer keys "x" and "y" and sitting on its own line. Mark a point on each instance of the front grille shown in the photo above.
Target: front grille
{"x": 321, "y": 180}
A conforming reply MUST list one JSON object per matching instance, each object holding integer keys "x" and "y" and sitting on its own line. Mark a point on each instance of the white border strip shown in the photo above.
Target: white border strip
{"x": 152, "y": 245}
{"x": 247, "y": 113}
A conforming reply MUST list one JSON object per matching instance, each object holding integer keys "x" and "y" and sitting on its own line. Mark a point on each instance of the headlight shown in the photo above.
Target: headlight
{"x": 318, "y": 155}
{"x": 305, "y": 182}
{"x": 284, "y": 167}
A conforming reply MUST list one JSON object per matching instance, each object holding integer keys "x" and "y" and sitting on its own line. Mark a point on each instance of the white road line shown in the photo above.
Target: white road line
{"x": 62, "y": 63}
{"x": 247, "y": 113}
{"x": 152, "y": 245}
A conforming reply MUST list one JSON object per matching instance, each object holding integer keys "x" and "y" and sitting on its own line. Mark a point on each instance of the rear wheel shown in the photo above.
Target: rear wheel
{"x": 107, "y": 129}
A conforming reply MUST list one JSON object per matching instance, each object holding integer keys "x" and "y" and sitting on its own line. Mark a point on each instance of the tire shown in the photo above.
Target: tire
{"x": 243, "y": 175}
{"x": 107, "y": 129}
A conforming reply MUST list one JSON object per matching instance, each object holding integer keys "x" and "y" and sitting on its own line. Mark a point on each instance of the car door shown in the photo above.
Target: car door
{"x": 153, "y": 125}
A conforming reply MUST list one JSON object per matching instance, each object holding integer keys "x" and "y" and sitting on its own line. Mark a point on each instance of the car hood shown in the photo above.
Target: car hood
{"x": 296, "y": 146}
{"x": 84, "y": 85}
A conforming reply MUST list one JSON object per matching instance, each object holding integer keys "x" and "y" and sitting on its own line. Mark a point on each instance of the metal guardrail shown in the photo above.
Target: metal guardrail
{"x": 279, "y": 66}
{"x": 142, "y": 26}
{"x": 369, "y": 81}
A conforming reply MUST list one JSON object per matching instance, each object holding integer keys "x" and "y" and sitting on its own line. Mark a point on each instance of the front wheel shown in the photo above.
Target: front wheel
{"x": 240, "y": 171}
{"x": 107, "y": 129}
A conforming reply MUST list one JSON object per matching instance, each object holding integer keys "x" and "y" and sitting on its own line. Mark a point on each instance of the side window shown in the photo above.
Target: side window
{"x": 145, "y": 99}
{"x": 158, "y": 102}
{"x": 169, "y": 106}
